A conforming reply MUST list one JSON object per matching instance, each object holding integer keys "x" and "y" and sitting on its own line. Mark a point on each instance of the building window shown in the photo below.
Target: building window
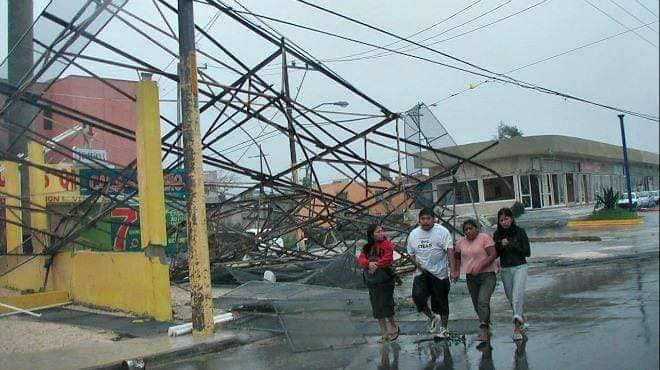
{"x": 48, "y": 119}
{"x": 463, "y": 193}
{"x": 498, "y": 189}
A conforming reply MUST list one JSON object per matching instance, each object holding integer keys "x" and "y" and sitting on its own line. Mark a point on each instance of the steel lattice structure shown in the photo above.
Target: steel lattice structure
{"x": 249, "y": 103}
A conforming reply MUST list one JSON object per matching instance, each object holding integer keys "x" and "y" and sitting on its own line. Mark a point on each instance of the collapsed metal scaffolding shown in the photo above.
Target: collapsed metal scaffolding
{"x": 256, "y": 128}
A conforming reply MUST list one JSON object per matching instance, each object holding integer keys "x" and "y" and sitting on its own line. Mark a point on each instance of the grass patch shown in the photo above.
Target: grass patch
{"x": 612, "y": 214}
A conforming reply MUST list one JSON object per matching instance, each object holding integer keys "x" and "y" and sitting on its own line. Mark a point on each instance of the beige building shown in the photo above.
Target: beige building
{"x": 540, "y": 172}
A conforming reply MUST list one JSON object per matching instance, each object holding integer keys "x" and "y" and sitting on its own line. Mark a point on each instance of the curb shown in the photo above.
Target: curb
{"x": 605, "y": 223}
{"x": 181, "y": 353}
{"x": 546, "y": 239}
{"x": 35, "y": 300}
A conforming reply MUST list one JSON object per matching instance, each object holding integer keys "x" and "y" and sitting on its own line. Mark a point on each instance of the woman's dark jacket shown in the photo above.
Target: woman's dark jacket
{"x": 514, "y": 254}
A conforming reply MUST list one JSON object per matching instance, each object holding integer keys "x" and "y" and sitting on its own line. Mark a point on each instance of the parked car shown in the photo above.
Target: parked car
{"x": 655, "y": 195}
{"x": 644, "y": 199}
{"x": 273, "y": 247}
{"x": 623, "y": 201}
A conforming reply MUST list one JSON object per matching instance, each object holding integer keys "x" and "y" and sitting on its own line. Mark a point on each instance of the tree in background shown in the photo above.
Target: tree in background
{"x": 505, "y": 131}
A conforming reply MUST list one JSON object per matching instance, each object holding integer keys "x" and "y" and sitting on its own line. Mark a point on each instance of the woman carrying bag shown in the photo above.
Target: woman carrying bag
{"x": 376, "y": 260}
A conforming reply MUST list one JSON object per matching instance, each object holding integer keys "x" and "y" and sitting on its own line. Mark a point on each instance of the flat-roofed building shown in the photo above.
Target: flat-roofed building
{"x": 540, "y": 172}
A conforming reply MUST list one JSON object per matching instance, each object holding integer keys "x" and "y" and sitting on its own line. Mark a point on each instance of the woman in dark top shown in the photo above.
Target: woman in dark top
{"x": 376, "y": 260}
{"x": 512, "y": 247}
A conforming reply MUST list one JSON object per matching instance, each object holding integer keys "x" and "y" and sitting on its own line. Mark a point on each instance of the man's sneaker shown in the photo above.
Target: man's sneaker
{"x": 442, "y": 333}
{"x": 435, "y": 323}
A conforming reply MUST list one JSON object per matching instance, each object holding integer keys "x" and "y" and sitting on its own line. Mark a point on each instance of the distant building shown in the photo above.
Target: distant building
{"x": 540, "y": 172}
{"x": 100, "y": 101}
{"x": 370, "y": 197}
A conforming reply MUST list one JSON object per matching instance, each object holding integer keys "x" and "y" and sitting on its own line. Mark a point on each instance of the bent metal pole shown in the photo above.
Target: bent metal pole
{"x": 625, "y": 163}
{"x": 198, "y": 250}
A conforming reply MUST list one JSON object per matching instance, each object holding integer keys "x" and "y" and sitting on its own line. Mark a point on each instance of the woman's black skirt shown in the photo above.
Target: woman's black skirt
{"x": 382, "y": 299}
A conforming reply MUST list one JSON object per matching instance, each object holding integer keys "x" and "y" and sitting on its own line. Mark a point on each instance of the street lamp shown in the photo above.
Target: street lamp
{"x": 340, "y": 103}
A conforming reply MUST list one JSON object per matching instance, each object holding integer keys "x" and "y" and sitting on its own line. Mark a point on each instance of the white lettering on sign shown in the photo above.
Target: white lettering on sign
{"x": 85, "y": 155}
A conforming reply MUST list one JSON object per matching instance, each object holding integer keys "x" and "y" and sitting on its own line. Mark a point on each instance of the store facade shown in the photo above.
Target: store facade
{"x": 540, "y": 172}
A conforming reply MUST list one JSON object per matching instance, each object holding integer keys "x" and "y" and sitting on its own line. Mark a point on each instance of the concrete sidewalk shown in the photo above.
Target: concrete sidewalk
{"x": 552, "y": 217}
{"x": 111, "y": 356}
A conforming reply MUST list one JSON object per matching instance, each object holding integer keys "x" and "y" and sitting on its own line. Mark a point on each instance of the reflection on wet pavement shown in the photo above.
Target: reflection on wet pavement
{"x": 600, "y": 314}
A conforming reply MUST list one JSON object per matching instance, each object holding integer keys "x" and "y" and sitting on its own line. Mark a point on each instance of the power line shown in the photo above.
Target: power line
{"x": 471, "y": 87}
{"x": 494, "y": 76}
{"x": 644, "y": 6}
{"x": 630, "y": 14}
{"x": 350, "y": 56}
{"x": 491, "y": 23}
{"x": 621, "y": 24}
{"x": 410, "y": 48}
{"x": 397, "y": 37}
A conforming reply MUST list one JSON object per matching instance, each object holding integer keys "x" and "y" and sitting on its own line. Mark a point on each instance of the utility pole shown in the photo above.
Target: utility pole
{"x": 289, "y": 115}
{"x": 625, "y": 163}
{"x": 198, "y": 251}
{"x": 19, "y": 70}
{"x": 261, "y": 187}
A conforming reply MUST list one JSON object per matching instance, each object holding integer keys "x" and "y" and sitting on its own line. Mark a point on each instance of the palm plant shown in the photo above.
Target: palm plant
{"x": 608, "y": 200}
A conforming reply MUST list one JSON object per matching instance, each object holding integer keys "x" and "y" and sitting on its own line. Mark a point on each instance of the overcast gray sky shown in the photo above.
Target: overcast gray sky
{"x": 498, "y": 35}
{"x": 622, "y": 71}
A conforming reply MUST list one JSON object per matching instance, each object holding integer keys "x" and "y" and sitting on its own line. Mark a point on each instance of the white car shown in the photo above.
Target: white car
{"x": 623, "y": 201}
{"x": 272, "y": 246}
{"x": 655, "y": 195}
{"x": 644, "y": 199}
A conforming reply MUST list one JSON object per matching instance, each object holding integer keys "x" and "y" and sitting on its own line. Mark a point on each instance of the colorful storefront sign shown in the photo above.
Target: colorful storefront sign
{"x": 58, "y": 189}
{"x": 120, "y": 232}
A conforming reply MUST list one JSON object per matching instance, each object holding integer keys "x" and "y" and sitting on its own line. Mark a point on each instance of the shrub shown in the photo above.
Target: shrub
{"x": 612, "y": 214}
{"x": 517, "y": 209}
{"x": 608, "y": 200}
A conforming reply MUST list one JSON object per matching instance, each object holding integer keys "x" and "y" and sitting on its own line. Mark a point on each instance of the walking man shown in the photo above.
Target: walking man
{"x": 430, "y": 248}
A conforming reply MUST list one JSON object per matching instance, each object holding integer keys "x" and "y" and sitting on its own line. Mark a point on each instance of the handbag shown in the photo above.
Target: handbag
{"x": 382, "y": 275}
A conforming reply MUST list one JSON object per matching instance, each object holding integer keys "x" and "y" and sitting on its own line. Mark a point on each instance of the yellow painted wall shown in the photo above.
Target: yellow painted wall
{"x": 35, "y": 300}
{"x": 153, "y": 231}
{"x": 14, "y": 232}
{"x": 128, "y": 282}
{"x": 27, "y": 276}
{"x": 122, "y": 281}
{"x": 38, "y": 220}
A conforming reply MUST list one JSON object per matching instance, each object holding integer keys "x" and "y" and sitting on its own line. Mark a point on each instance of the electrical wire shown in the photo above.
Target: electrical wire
{"x": 644, "y": 6}
{"x": 494, "y": 76}
{"x": 351, "y": 56}
{"x": 410, "y": 48}
{"x": 631, "y": 14}
{"x": 472, "y": 87}
{"x": 620, "y": 23}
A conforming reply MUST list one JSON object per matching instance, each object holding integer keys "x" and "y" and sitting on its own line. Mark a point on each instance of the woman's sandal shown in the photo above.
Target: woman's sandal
{"x": 394, "y": 336}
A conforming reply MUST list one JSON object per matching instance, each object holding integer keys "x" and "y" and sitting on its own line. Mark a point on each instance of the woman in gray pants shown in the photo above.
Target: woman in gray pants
{"x": 512, "y": 247}
{"x": 476, "y": 255}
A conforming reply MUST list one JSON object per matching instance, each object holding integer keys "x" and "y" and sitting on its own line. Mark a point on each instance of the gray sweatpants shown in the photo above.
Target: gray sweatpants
{"x": 514, "y": 280}
{"x": 481, "y": 287}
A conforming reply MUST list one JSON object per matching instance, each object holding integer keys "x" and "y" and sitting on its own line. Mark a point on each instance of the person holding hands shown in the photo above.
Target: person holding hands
{"x": 376, "y": 261}
{"x": 476, "y": 256}
{"x": 430, "y": 249}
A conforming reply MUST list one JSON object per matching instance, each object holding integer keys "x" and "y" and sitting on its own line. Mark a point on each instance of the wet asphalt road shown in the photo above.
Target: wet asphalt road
{"x": 591, "y": 305}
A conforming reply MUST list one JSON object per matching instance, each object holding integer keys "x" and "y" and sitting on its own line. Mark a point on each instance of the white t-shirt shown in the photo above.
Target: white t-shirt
{"x": 430, "y": 249}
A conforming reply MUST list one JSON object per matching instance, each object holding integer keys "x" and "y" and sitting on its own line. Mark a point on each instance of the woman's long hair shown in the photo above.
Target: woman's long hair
{"x": 370, "y": 239}
{"x": 511, "y": 230}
